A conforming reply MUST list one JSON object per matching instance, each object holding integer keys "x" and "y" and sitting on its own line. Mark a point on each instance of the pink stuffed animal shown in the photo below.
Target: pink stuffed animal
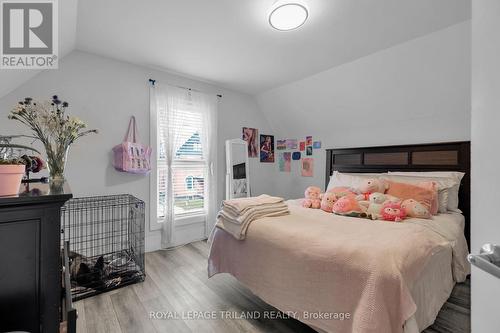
{"x": 392, "y": 211}
{"x": 313, "y": 195}
{"x": 414, "y": 208}
{"x": 327, "y": 201}
{"x": 349, "y": 206}
{"x": 341, "y": 191}
{"x": 370, "y": 186}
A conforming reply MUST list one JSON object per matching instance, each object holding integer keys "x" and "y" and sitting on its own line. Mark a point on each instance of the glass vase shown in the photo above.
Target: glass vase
{"x": 56, "y": 163}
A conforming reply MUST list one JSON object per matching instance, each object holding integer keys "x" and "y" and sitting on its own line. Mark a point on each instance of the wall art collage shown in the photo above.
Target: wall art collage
{"x": 288, "y": 150}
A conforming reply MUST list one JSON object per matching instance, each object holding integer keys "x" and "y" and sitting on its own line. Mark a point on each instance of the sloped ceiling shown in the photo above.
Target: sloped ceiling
{"x": 12, "y": 78}
{"x": 230, "y": 42}
{"x": 406, "y": 92}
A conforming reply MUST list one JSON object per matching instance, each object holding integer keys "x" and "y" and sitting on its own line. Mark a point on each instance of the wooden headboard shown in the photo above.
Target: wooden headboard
{"x": 449, "y": 156}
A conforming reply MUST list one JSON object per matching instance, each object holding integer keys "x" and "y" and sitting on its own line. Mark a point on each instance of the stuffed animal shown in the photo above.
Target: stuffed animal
{"x": 312, "y": 200}
{"x": 414, "y": 208}
{"x": 392, "y": 211}
{"x": 349, "y": 206}
{"x": 374, "y": 204}
{"x": 327, "y": 201}
{"x": 392, "y": 198}
{"x": 341, "y": 191}
{"x": 370, "y": 186}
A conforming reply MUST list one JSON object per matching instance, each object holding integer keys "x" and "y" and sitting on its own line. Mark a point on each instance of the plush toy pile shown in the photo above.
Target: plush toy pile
{"x": 368, "y": 200}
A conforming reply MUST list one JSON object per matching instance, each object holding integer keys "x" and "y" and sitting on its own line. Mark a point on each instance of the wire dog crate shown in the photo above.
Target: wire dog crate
{"x": 106, "y": 236}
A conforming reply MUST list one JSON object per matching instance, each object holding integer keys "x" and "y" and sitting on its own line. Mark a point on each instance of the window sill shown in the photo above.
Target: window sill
{"x": 190, "y": 219}
{"x": 184, "y": 220}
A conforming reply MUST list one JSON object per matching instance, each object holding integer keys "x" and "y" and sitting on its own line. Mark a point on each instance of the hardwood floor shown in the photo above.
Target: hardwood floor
{"x": 177, "y": 282}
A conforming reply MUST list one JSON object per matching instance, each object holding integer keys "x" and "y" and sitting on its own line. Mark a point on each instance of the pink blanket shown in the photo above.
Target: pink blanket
{"x": 320, "y": 267}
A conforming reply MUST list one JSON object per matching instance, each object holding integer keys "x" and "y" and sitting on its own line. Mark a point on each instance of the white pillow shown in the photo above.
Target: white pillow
{"x": 340, "y": 179}
{"x": 448, "y": 186}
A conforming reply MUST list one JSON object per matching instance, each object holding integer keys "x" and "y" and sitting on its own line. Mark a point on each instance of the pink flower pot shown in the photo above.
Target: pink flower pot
{"x": 10, "y": 179}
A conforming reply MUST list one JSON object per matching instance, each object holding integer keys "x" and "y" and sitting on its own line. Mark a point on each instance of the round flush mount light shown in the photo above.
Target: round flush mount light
{"x": 286, "y": 16}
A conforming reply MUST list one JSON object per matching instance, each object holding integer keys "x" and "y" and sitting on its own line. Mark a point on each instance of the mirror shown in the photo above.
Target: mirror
{"x": 237, "y": 169}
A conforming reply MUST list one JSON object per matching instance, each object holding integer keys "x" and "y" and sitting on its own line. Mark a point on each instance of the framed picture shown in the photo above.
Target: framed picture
{"x": 317, "y": 144}
{"x": 266, "y": 148}
{"x": 307, "y": 167}
{"x": 309, "y": 140}
{"x": 302, "y": 146}
{"x": 280, "y": 144}
{"x": 250, "y": 135}
{"x": 309, "y": 150}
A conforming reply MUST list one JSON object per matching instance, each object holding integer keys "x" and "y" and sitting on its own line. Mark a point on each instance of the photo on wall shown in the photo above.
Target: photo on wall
{"x": 266, "y": 148}
{"x": 250, "y": 135}
{"x": 284, "y": 161}
{"x": 309, "y": 150}
{"x": 307, "y": 167}
{"x": 280, "y": 144}
{"x": 317, "y": 144}
{"x": 291, "y": 144}
{"x": 309, "y": 141}
{"x": 302, "y": 146}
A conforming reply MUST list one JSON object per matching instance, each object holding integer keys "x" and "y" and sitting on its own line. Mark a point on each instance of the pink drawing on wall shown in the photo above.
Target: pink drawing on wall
{"x": 307, "y": 167}
{"x": 284, "y": 162}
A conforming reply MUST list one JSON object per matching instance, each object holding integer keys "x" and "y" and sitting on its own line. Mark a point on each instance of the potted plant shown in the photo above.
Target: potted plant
{"x": 11, "y": 170}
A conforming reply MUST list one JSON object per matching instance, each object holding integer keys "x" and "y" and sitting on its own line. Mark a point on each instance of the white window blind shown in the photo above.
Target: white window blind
{"x": 188, "y": 164}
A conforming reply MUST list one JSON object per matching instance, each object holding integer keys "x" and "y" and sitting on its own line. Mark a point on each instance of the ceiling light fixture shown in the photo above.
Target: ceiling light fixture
{"x": 286, "y": 16}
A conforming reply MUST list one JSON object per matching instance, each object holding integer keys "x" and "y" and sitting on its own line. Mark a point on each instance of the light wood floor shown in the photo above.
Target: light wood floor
{"x": 177, "y": 281}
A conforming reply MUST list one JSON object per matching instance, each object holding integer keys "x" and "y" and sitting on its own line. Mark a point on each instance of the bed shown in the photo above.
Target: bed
{"x": 342, "y": 274}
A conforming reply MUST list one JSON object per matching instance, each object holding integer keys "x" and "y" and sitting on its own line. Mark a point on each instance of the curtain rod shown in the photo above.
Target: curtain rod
{"x": 154, "y": 81}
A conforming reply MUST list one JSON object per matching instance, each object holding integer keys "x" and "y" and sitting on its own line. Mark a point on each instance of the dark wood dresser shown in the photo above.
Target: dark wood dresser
{"x": 30, "y": 263}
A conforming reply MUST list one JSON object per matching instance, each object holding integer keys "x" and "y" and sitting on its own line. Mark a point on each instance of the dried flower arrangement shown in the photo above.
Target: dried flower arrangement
{"x": 50, "y": 123}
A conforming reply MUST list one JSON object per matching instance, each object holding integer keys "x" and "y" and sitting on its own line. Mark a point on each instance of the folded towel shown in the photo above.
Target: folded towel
{"x": 235, "y": 213}
{"x": 239, "y": 231}
{"x": 252, "y": 213}
{"x": 238, "y": 206}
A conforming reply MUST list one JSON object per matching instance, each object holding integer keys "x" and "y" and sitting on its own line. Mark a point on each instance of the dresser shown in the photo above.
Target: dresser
{"x": 30, "y": 258}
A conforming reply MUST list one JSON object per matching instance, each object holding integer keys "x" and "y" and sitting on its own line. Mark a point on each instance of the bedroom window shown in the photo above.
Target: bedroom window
{"x": 189, "y": 182}
{"x": 184, "y": 139}
{"x": 188, "y": 165}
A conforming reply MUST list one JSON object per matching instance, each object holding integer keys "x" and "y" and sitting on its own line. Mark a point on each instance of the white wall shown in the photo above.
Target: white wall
{"x": 485, "y": 227}
{"x": 105, "y": 93}
{"x": 415, "y": 92}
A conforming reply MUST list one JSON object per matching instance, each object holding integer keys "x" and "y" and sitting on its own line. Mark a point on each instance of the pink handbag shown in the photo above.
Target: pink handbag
{"x": 130, "y": 156}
